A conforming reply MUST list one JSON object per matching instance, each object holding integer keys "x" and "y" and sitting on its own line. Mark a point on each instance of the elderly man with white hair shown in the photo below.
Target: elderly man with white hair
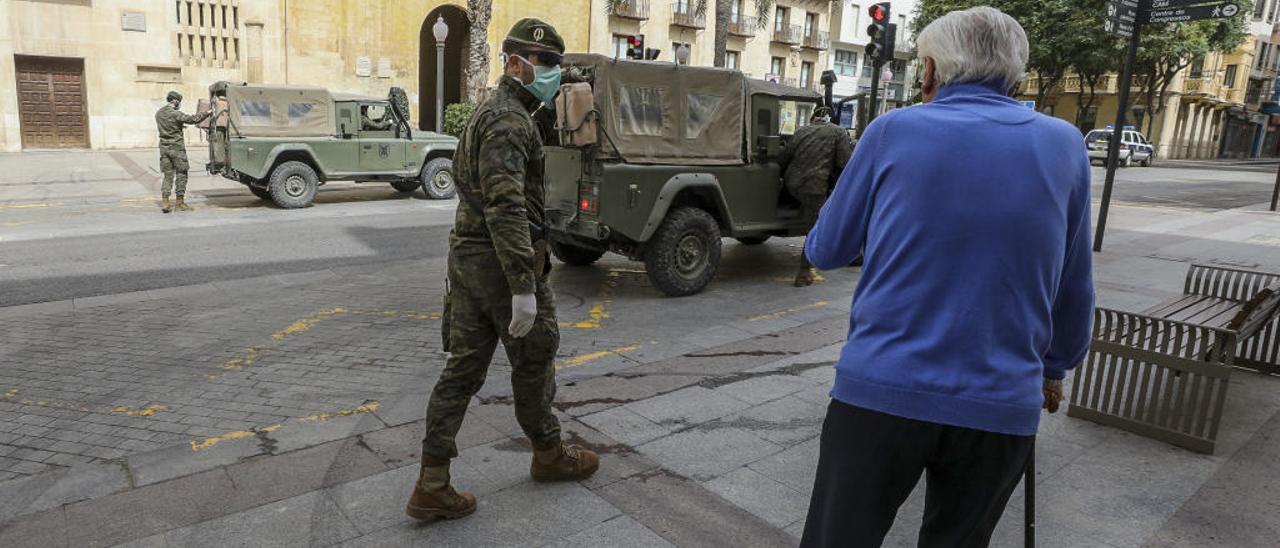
{"x": 972, "y": 214}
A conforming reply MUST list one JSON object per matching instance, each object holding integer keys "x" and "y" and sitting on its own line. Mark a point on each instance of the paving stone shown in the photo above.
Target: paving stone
{"x": 626, "y": 426}
{"x": 297, "y": 433}
{"x": 706, "y": 454}
{"x": 797, "y": 467}
{"x": 58, "y": 487}
{"x": 619, "y": 532}
{"x": 757, "y": 390}
{"x": 139, "y": 513}
{"x": 47, "y": 529}
{"x": 271, "y": 478}
{"x": 785, "y": 421}
{"x": 184, "y": 460}
{"x": 311, "y": 519}
{"x": 688, "y": 406}
{"x": 769, "y": 500}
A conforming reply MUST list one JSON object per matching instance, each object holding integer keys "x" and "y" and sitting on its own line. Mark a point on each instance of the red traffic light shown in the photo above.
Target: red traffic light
{"x": 634, "y": 41}
{"x": 879, "y": 13}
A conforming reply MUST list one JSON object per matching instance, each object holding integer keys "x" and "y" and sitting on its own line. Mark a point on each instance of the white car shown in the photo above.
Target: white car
{"x": 1134, "y": 146}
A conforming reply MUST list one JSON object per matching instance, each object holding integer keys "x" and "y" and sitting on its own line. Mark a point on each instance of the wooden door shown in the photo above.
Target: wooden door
{"x": 51, "y": 102}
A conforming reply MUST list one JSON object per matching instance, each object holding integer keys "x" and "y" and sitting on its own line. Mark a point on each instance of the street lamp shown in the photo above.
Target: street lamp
{"x": 441, "y": 31}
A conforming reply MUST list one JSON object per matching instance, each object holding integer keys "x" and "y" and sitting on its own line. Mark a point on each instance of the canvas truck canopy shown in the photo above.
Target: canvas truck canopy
{"x": 278, "y": 111}
{"x": 662, "y": 113}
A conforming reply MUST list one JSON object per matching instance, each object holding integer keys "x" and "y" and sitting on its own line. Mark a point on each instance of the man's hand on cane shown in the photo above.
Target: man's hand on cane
{"x": 1052, "y": 394}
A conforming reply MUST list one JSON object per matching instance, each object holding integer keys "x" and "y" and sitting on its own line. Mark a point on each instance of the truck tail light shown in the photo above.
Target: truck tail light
{"x": 588, "y": 198}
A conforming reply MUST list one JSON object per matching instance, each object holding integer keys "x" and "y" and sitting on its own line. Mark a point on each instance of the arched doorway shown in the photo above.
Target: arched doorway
{"x": 455, "y": 62}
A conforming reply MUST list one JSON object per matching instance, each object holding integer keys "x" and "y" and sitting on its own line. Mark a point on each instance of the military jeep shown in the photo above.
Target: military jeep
{"x": 686, "y": 157}
{"x": 284, "y": 142}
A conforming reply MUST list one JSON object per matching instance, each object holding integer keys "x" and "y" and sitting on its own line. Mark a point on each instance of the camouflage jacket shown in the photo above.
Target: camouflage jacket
{"x": 169, "y": 122}
{"x": 814, "y": 158}
{"x": 498, "y": 167}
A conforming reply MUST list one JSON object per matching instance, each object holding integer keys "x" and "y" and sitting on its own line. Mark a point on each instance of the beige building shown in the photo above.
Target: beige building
{"x": 92, "y": 73}
{"x": 791, "y": 47}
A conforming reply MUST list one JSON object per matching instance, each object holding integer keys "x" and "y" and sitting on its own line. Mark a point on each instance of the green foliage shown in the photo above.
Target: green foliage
{"x": 456, "y": 117}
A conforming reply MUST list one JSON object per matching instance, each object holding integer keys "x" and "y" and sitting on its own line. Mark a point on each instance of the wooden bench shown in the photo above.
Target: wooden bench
{"x": 1163, "y": 373}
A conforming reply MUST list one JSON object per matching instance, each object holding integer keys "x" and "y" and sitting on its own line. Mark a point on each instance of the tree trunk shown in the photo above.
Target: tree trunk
{"x": 479, "y": 11}
{"x": 723, "y": 14}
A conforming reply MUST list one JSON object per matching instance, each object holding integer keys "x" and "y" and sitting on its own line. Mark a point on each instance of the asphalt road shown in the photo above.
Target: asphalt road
{"x": 73, "y": 251}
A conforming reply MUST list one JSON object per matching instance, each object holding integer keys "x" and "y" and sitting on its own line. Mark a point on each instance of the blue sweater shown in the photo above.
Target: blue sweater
{"x": 973, "y": 212}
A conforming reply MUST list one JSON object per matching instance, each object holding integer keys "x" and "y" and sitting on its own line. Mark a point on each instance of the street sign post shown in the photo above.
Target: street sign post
{"x": 1126, "y": 18}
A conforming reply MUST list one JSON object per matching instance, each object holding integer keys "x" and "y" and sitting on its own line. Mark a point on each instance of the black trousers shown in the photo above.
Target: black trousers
{"x": 870, "y": 462}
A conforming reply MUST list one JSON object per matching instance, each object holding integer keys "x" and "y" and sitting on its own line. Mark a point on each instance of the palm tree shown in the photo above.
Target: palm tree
{"x": 724, "y": 15}
{"x": 479, "y": 11}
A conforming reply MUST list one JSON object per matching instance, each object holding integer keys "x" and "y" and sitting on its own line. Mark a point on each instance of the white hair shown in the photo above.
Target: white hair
{"x": 980, "y": 44}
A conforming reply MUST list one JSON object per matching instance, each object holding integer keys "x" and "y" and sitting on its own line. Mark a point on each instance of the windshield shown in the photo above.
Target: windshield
{"x": 1097, "y": 136}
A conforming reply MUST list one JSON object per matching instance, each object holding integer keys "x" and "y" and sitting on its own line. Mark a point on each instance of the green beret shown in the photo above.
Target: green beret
{"x": 172, "y": 96}
{"x": 535, "y": 33}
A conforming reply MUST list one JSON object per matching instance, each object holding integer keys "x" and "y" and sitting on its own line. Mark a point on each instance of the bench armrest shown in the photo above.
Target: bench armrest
{"x": 1257, "y": 312}
{"x": 1227, "y": 283}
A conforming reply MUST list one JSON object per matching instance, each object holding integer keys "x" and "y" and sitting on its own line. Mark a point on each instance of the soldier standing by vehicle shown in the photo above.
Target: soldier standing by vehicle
{"x": 173, "y": 149}
{"x": 497, "y": 277}
{"x": 812, "y": 161}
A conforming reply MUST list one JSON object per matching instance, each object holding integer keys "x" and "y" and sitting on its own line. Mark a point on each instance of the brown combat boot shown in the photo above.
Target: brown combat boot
{"x": 433, "y": 498}
{"x": 164, "y": 205}
{"x": 562, "y": 462}
{"x": 805, "y": 277}
{"x": 182, "y": 204}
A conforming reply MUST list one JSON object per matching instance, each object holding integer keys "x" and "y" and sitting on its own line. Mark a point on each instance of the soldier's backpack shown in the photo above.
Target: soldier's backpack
{"x": 576, "y": 116}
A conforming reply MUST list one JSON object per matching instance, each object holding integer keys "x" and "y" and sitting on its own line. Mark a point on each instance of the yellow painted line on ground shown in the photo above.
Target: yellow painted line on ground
{"x": 588, "y": 358}
{"x": 305, "y": 324}
{"x": 36, "y": 205}
{"x": 781, "y": 313}
{"x": 12, "y": 395}
{"x": 200, "y": 445}
{"x": 599, "y": 311}
{"x": 817, "y": 278}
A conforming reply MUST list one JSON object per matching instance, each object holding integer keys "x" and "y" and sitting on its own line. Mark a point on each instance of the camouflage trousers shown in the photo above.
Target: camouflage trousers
{"x": 810, "y": 206}
{"x": 174, "y": 166}
{"x": 479, "y": 314}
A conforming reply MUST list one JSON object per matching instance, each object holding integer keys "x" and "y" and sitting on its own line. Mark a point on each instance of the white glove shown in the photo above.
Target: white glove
{"x": 524, "y": 309}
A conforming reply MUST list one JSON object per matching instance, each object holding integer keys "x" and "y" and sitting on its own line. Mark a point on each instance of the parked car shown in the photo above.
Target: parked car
{"x": 283, "y": 142}
{"x": 686, "y": 156}
{"x": 1134, "y": 146}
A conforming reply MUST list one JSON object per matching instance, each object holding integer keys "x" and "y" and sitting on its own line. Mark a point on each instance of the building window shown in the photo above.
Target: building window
{"x": 899, "y": 69}
{"x": 620, "y": 46}
{"x": 731, "y": 59}
{"x": 1259, "y": 7}
{"x": 206, "y": 31}
{"x": 735, "y": 11}
{"x": 1262, "y": 55}
{"x": 846, "y": 63}
{"x": 810, "y": 24}
{"x": 902, "y": 29}
{"x": 780, "y": 19}
{"x": 855, "y": 11}
{"x": 1230, "y": 79}
{"x": 777, "y": 66}
{"x": 806, "y": 74}
{"x": 1197, "y": 69}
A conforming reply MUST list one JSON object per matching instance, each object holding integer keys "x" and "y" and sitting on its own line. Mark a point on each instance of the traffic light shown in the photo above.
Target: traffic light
{"x": 651, "y": 53}
{"x": 635, "y": 46}
{"x": 881, "y": 32}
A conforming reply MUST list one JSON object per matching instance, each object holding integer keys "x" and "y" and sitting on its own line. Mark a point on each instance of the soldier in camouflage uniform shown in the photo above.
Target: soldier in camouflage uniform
{"x": 811, "y": 163}
{"x": 173, "y": 149}
{"x": 497, "y": 276}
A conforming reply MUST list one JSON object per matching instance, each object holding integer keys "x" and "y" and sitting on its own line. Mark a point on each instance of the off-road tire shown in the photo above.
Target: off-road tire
{"x": 1128, "y": 161}
{"x": 260, "y": 192}
{"x": 436, "y": 179}
{"x": 406, "y": 185}
{"x": 574, "y": 255}
{"x": 752, "y": 240}
{"x": 1151, "y": 159}
{"x": 293, "y": 185}
{"x": 682, "y": 256}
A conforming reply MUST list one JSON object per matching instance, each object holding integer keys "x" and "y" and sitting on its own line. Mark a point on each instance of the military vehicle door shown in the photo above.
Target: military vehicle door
{"x": 381, "y": 149}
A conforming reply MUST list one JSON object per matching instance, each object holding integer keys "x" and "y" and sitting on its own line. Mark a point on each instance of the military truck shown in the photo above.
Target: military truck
{"x": 283, "y": 142}
{"x": 686, "y": 157}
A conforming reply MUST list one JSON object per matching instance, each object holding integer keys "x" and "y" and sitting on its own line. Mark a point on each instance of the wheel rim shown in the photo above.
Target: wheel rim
{"x": 691, "y": 255}
{"x": 295, "y": 186}
{"x": 442, "y": 181}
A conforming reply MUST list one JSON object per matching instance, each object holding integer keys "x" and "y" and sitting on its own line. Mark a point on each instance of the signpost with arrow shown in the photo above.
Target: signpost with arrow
{"x": 1126, "y": 18}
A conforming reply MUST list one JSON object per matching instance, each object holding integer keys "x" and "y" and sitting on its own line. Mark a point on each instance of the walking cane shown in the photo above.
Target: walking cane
{"x": 1029, "y": 505}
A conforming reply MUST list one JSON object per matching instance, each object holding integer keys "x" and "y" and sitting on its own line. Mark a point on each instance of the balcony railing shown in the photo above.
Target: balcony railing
{"x": 788, "y": 34}
{"x": 744, "y": 26}
{"x": 780, "y": 80}
{"x": 817, "y": 40}
{"x": 632, "y": 9}
{"x": 682, "y": 15}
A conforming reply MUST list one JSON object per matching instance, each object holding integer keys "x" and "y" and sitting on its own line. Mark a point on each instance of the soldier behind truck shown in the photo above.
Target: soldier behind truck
{"x": 173, "y": 149}
{"x": 812, "y": 161}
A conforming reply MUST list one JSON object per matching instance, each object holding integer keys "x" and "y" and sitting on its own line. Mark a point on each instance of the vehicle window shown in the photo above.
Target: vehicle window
{"x": 298, "y": 111}
{"x": 793, "y": 115}
{"x": 1097, "y": 136}
{"x": 255, "y": 113}
{"x": 640, "y": 111}
{"x": 375, "y": 112}
{"x": 702, "y": 110}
